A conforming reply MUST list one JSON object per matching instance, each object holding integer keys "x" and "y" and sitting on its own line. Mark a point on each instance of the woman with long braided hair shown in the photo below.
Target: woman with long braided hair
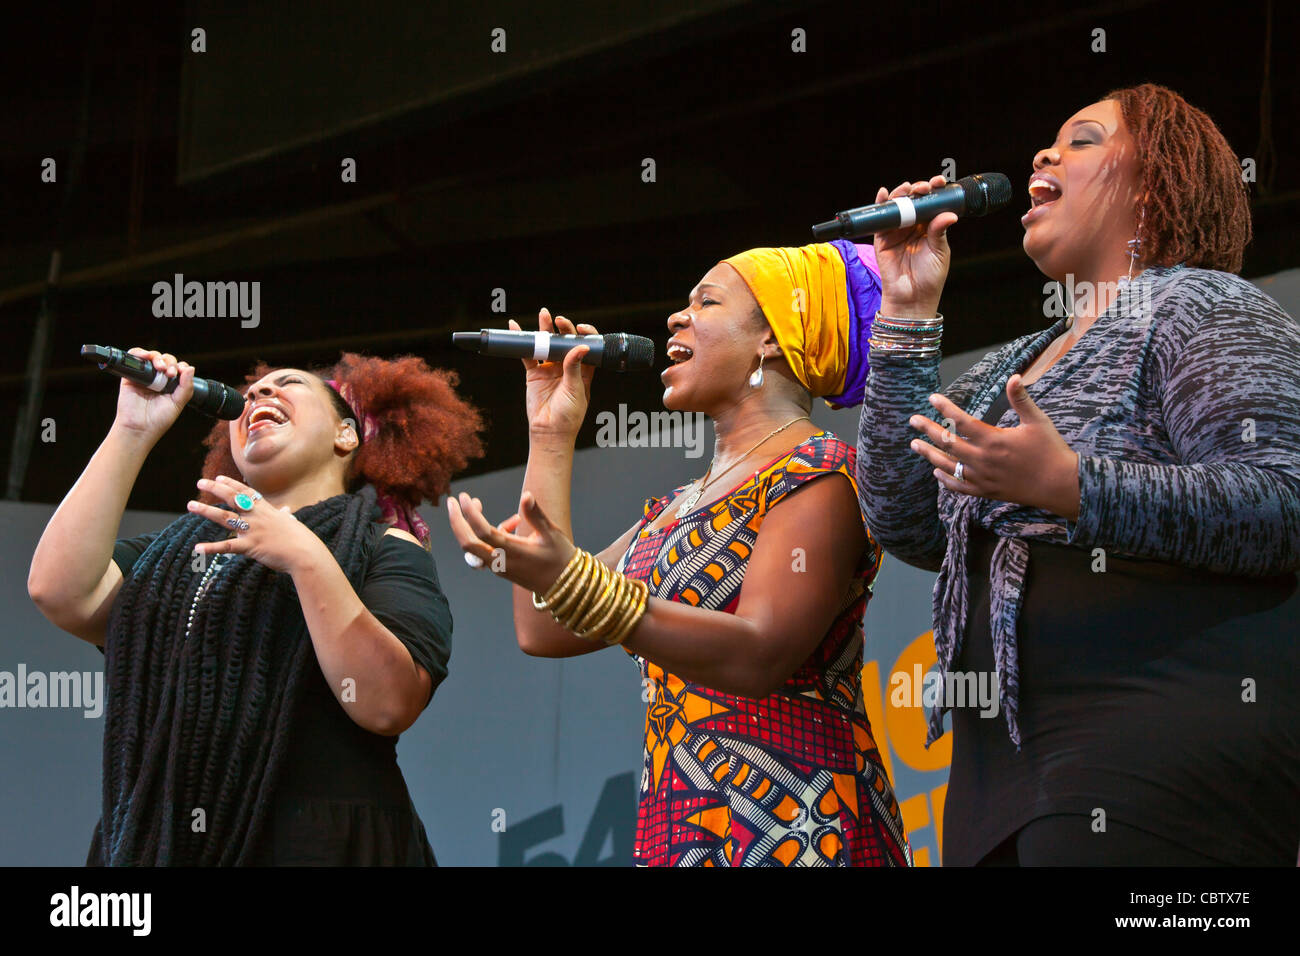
{"x": 1113, "y": 506}
{"x": 264, "y": 651}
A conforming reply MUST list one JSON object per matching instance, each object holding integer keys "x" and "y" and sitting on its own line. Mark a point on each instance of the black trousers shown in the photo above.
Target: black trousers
{"x": 1067, "y": 839}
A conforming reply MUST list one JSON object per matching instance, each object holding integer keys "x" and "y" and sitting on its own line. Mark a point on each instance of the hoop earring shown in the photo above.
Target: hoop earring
{"x": 756, "y": 377}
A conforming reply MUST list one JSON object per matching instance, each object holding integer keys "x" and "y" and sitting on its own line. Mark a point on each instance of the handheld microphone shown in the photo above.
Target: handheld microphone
{"x": 210, "y": 398}
{"x": 617, "y": 351}
{"x": 970, "y": 196}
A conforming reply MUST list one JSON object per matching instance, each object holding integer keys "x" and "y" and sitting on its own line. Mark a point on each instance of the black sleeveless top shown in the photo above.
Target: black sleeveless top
{"x": 1165, "y": 696}
{"x": 341, "y": 799}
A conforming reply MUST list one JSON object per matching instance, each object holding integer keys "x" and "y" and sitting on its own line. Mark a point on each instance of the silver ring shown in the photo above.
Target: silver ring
{"x": 958, "y": 470}
{"x": 473, "y": 560}
{"x": 239, "y": 524}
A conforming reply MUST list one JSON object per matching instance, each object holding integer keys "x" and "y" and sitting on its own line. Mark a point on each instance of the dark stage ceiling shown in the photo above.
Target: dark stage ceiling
{"x": 522, "y": 170}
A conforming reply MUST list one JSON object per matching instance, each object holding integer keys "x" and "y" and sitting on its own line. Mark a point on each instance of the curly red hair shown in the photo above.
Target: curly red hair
{"x": 1198, "y": 207}
{"x": 427, "y": 433}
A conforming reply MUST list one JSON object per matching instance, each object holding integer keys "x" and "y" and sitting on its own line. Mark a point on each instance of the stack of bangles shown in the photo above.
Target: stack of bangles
{"x": 592, "y": 601}
{"x": 906, "y": 338}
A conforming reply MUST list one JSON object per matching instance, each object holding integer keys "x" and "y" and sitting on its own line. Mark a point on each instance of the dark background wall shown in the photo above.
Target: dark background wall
{"x": 522, "y": 170}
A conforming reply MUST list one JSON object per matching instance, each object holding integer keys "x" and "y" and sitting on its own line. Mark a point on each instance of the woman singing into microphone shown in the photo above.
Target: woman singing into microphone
{"x": 263, "y": 652}
{"x": 740, "y": 594}
{"x": 1113, "y": 507}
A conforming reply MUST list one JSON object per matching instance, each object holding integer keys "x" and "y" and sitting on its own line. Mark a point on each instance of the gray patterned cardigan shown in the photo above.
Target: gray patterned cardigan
{"x": 1183, "y": 402}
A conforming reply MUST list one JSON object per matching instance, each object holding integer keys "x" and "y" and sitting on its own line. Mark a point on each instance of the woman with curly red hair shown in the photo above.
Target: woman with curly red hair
{"x": 264, "y": 652}
{"x": 1113, "y": 506}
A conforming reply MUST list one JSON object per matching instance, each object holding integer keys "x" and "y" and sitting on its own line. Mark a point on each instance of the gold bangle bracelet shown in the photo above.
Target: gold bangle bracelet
{"x": 571, "y": 567}
{"x": 588, "y": 596}
{"x": 600, "y": 626}
{"x": 547, "y": 598}
{"x": 573, "y": 592}
{"x": 623, "y": 635}
{"x": 624, "y": 623}
{"x": 628, "y": 620}
{"x": 607, "y": 600}
{"x": 580, "y": 595}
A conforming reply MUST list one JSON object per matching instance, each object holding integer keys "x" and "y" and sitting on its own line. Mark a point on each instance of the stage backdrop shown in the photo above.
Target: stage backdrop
{"x": 517, "y": 760}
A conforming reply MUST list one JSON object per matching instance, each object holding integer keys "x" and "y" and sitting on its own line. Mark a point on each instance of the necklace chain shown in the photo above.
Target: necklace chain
{"x": 218, "y": 561}
{"x": 701, "y": 484}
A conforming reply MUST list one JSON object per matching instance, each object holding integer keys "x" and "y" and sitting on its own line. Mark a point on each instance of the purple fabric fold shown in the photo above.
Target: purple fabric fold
{"x": 864, "y": 301}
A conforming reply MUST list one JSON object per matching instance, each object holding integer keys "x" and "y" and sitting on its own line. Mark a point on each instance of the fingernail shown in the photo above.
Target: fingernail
{"x": 915, "y": 446}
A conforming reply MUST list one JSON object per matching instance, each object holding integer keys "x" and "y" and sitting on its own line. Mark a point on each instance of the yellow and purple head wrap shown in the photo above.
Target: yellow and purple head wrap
{"x": 820, "y": 301}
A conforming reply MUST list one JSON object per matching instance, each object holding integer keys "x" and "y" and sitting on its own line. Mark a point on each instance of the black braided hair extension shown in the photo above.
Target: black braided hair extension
{"x": 203, "y": 724}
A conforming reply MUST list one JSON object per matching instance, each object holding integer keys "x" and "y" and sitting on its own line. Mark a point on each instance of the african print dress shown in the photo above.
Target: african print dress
{"x": 793, "y": 779}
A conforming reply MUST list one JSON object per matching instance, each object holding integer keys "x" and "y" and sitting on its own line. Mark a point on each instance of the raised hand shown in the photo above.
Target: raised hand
{"x": 1029, "y": 464}
{"x": 558, "y": 392}
{"x": 273, "y": 536}
{"x": 151, "y": 413}
{"x": 532, "y": 561}
{"x": 913, "y": 261}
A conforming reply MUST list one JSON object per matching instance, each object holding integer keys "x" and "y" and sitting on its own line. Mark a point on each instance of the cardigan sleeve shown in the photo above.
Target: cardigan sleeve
{"x": 896, "y": 487}
{"x": 1230, "y": 402}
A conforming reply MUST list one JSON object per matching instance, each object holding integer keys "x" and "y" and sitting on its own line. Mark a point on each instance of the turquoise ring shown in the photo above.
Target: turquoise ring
{"x": 245, "y": 502}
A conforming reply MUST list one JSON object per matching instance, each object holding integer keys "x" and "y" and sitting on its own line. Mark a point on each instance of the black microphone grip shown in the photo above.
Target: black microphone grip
{"x": 970, "y": 196}
{"x": 211, "y": 398}
{"x": 615, "y": 351}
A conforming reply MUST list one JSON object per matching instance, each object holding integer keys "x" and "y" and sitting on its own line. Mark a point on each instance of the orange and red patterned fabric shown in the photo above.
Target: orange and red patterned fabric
{"x": 794, "y": 779}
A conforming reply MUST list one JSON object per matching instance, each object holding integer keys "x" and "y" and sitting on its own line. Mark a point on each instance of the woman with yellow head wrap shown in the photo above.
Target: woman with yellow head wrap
{"x": 758, "y": 750}
{"x": 819, "y": 301}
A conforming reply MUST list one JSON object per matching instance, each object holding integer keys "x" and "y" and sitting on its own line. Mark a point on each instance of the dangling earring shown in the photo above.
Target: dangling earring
{"x": 1135, "y": 244}
{"x": 756, "y": 377}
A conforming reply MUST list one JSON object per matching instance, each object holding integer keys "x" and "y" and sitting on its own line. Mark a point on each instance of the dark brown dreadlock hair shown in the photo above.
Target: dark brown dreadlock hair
{"x": 1197, "y": 209}
{"x": 427, "y": 433}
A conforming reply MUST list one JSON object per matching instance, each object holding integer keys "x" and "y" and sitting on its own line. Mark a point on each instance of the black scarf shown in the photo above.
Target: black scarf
{"x": 195, "y": 730}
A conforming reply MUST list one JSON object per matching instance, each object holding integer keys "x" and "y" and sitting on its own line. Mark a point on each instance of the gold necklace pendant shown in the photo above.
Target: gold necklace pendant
{"x": 688, "y": 503}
